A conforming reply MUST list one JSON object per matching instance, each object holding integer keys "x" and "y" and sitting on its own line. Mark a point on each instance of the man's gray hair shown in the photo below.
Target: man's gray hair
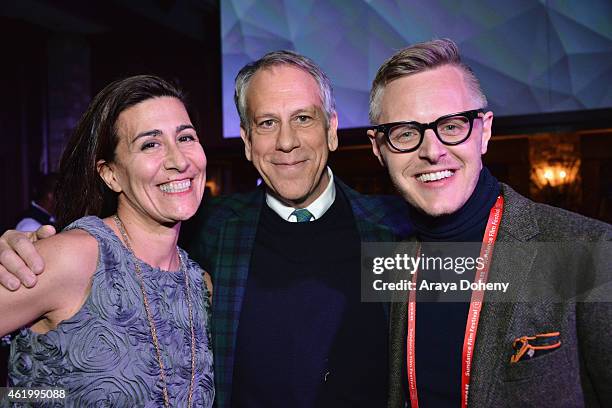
{"x": 418, "y": 58}
{"x": 276, "y": 58}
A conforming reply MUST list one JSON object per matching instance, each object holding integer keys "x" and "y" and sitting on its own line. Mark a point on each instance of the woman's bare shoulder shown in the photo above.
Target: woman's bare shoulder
{"x": 72, "y": 253}
{"x": 73, "y": 242}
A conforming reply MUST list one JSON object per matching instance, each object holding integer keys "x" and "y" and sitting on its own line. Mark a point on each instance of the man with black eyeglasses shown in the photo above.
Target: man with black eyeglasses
{"x": 430, "y": 129}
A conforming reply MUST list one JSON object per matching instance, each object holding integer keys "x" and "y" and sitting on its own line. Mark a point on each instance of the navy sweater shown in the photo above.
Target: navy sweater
{"x": 304, "y": 338}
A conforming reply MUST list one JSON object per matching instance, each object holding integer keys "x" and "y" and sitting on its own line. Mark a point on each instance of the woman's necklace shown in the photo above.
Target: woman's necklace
{"x": 162, "y": 374}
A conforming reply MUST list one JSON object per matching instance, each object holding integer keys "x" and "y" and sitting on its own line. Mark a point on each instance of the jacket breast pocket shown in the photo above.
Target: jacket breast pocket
{"x": 549, "y": 380}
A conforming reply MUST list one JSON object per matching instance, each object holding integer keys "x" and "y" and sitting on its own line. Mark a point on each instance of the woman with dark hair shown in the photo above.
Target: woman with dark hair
{"x": 120, "y": 316}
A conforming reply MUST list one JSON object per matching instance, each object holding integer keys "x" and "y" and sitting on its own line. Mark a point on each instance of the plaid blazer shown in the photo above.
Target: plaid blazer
{"x": 226, "y": 229}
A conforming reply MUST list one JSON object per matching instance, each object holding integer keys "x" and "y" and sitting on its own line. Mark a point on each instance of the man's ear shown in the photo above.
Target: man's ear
{"x": 376, "y": 147}
{"x": 246, "y": 138}
{"x": 332, "y": 133}
{"x": 107, "y": 171}
{"x": 487, "y": 123}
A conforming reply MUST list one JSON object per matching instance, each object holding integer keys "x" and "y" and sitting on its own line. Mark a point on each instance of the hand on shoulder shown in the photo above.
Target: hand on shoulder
{"x": 19, "y": 260}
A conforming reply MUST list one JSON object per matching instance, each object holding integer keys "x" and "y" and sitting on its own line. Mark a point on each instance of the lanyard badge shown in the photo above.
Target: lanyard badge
{"x": 471, "y": 327}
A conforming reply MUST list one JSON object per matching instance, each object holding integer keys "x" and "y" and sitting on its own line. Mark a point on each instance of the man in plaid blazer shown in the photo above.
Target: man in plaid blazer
{"x": 224, "y": 248}
{"x": 280, "y": 126}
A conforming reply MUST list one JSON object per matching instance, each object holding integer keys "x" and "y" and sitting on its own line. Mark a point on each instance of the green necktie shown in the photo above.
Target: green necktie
{"x": 302, "y": 215}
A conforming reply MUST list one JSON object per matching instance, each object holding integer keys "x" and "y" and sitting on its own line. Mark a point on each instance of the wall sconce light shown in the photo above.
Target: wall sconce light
{"x": 555, "y": 173}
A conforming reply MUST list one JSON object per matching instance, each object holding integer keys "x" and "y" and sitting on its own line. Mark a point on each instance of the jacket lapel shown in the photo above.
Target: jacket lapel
{"x": 512, "y": 263}
{"x": 236, "y": 240}
{"x": 375, "y": 221}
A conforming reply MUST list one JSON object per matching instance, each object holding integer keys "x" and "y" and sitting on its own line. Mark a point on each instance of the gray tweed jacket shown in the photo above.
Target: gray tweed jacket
{"x": 579, "y": 373}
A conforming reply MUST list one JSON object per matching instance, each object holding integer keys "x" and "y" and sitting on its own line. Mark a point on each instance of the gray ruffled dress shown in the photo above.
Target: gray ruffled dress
{"x": 104, "y": 356}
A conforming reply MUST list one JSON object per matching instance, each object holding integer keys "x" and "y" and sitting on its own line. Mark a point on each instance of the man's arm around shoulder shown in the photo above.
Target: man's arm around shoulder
{"x": 20, "y": 262}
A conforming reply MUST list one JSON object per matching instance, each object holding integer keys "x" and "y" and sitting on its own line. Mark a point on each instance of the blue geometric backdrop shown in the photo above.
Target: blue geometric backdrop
{"x": 531, "y": 56}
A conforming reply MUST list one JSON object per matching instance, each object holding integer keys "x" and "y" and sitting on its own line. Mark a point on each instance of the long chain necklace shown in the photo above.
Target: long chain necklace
{"x": 162, "y": 374}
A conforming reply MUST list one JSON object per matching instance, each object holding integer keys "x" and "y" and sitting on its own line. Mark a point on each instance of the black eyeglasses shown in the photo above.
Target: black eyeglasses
{"x": 450, "y": 129}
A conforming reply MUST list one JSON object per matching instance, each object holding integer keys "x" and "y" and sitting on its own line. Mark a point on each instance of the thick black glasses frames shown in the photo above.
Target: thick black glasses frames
{"x": 451, "y": 130}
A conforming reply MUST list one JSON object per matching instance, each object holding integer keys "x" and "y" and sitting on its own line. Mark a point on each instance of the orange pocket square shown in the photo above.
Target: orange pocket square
{"x": 527, "y": 347}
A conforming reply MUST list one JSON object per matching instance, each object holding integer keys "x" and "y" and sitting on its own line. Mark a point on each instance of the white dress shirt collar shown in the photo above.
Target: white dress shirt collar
{"x": 317, "y": 208}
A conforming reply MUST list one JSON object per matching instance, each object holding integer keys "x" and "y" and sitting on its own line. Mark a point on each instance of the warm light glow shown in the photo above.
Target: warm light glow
{"x": 548, "y": 174}
{"x": 555, "y": 173}
{"x": 213, "y": 186}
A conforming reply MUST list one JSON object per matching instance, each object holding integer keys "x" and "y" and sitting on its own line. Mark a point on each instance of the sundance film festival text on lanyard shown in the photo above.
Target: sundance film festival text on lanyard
{"x": 471, "y": 327}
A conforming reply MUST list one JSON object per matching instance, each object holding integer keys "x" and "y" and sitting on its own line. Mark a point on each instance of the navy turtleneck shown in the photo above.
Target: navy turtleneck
{"x": 440, "y": 326}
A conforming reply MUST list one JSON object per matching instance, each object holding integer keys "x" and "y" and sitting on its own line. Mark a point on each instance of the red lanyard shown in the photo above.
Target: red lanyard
{"x": 471, "y": 326}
